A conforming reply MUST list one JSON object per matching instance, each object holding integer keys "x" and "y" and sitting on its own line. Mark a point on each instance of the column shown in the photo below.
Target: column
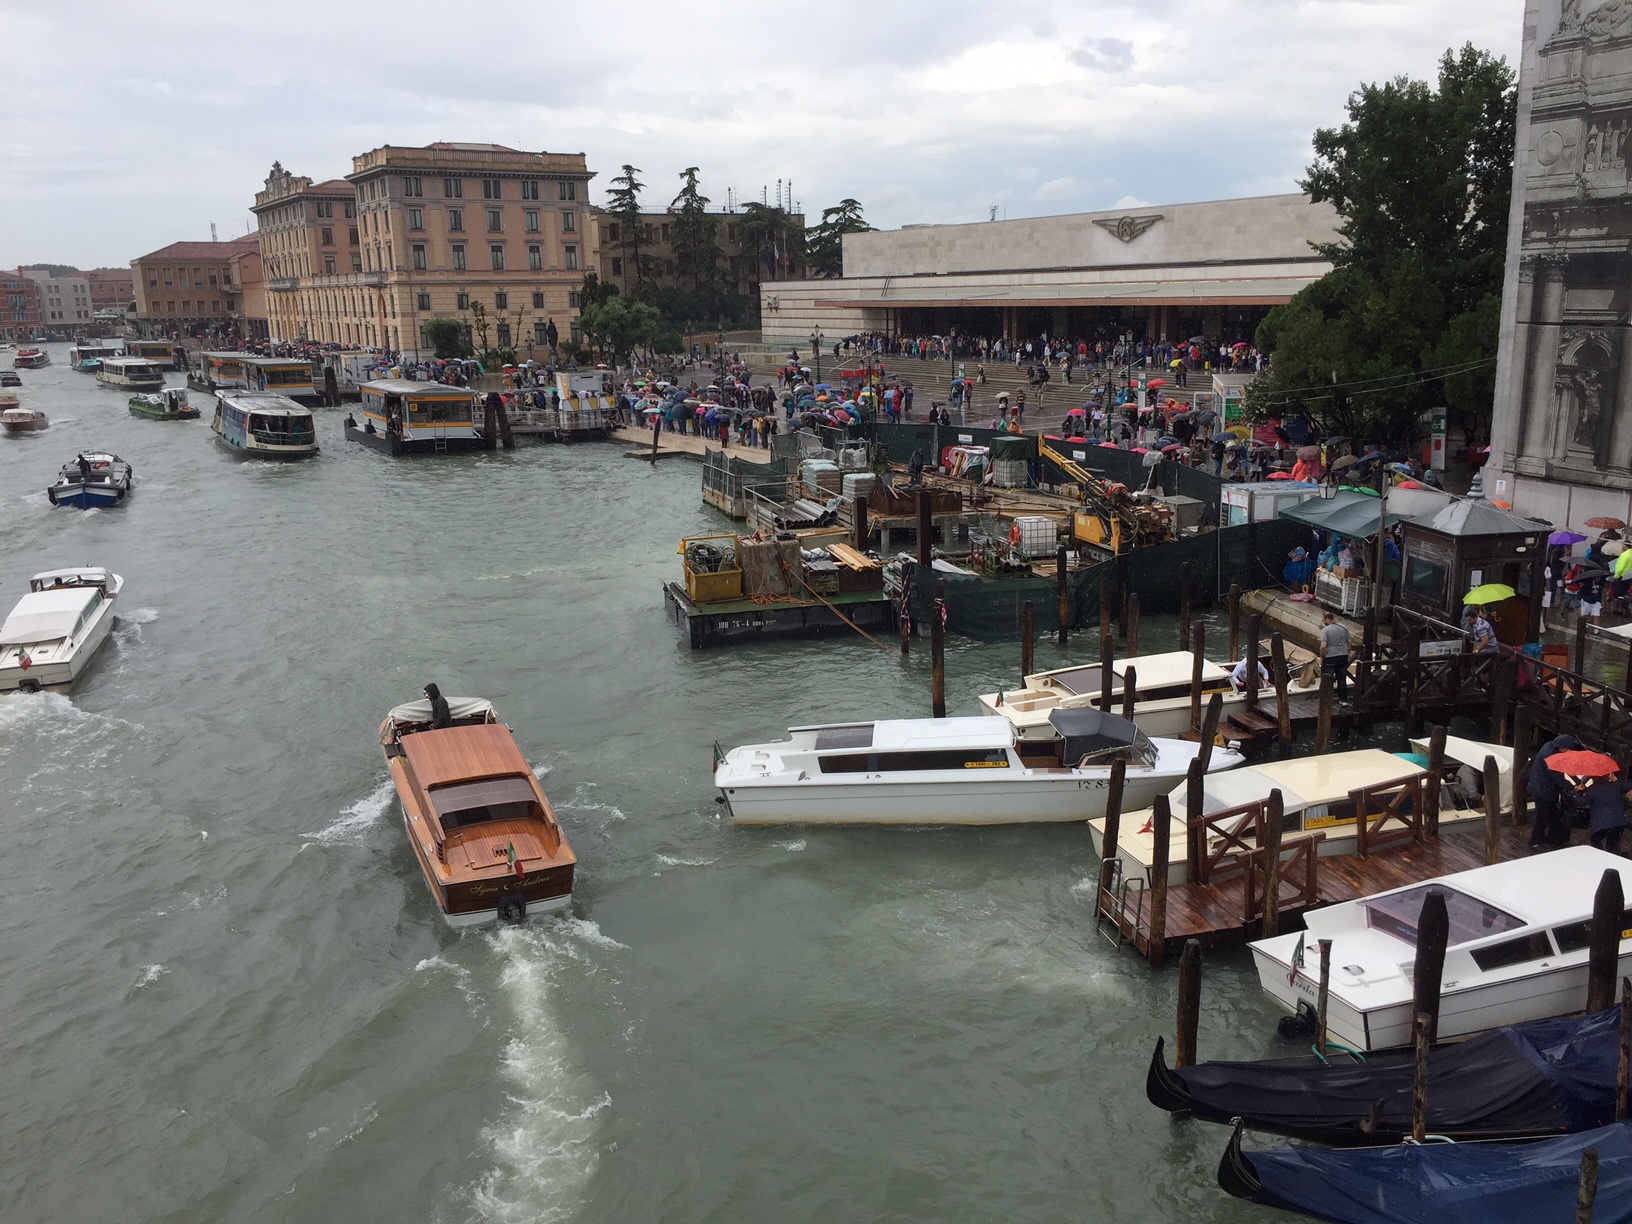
{"x": 1620, "y": 410}
{"x": 1542, "y": 426}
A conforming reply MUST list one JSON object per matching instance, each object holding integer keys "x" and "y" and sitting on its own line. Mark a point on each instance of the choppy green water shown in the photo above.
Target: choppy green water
{"x": 227, "y": 995}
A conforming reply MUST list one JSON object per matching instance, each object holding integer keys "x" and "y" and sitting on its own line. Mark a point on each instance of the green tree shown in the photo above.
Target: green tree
{"x": 619, "y": 325}
{"x": 824, "y": 242}
{"x": 772, "y": 240}
{"x": 623, "y": 202}
{"x": 446, "y": 337}
{"x": 595, "y": 291}
{"x": 1421, "y": 179}
{"x": 694, "y": 236}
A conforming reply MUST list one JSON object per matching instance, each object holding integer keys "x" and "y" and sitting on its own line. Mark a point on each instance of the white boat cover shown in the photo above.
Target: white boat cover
{"x": 45, "y": 616}
{"x": 420, "y": 711}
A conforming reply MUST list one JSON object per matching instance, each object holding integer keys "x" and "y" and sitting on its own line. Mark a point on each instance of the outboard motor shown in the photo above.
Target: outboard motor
{"x": 513, "y": 908}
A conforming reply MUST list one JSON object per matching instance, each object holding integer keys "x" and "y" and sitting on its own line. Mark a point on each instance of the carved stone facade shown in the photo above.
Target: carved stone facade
{"x": 1564, "y": 380}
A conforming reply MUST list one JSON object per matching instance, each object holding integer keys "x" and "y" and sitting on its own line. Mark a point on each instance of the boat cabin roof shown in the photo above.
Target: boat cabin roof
{"x": 459, "y": 707}
{"x": 47, "y": 616}
{"x": 130, "y": 363}
{"x": 463, "y": 754}
{"x": 85, "y": 575}
{"x": 903, "y": 733}
{"x": 263, "y": 403}
{"x": 275, "y": 363}
{"x": 1303, "y": 783}
{"x": 1154, "y": 671}
{"x": 215, "y": 356}
{"x": 416, "y": 390}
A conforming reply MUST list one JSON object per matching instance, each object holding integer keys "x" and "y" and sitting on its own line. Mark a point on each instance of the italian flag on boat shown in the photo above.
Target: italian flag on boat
{"x": 514, "y": 863}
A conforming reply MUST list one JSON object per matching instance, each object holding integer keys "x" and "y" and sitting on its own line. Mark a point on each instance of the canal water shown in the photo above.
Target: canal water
{"x": 227, "y": 995}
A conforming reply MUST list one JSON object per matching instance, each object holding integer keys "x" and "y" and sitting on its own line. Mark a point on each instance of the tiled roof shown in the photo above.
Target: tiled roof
{"x": 205, "y": 250}
{"x": 331, "y": 187}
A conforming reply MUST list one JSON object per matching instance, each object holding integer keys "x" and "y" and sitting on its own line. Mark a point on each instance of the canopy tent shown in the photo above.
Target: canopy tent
{"x": 459, "y": 707}
{"x": 1349, "y": 514}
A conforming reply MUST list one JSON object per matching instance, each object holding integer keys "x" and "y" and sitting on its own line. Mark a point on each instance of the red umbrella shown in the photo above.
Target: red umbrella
{"x": 1583, "y": 764}
{"x": 1110, "y": 446}
{"x": 1156, "y": 382}
{"x": 1279, "y": 476}
{"x": 1606, "y": 523}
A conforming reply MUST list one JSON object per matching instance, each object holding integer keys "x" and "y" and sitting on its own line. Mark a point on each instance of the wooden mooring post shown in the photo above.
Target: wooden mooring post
{"x": 1580, "y": 652}
{"x": 937, "y": 652}
{"x": 1254, "y": 627}
{"x": 1184, "y": 604}
{"x": 1195, "y": 835}
{"x": 1235, "y": 620}
{"x": 1274, "y": 813}
{"x": 1027, "y": 637}
{"x": 1283, "y": 703}
{"x": 1604, "y": 941}
{"x": 1586, "y": 1188}
{"x": 1431, "y": 784}
{"x": 1493, "y": 811}
{"x": 1323, "y": 996}
{"x": 1107, "y": 680}
{"x": 1162, "y": 830}
{"x": 1433, "y": 934}
{"x": 1323, "y": 719}
{"x": 1623, "y": 1067}
{"x": 1419, "y": 1080}
{"x": 926, "y": 531}
{"x": 1113, "y": 828}
{"x": 1209, "y": 730}
{"x": 864, "y": 533}
{"x": 1133, "y": 624}
{"x": 1522, "y": 750}
{"x": 1104, "y": 603}
{"x": 1189, "y": 1019}
{"x": 1130, "y": 690}
{"x": 1062, "y": 593}
{"x": 1198, "y": 659}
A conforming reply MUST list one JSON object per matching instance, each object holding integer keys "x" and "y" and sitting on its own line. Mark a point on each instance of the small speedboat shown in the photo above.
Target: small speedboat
{"x": 167, "y": 405}
{"x": 10, "y": 378}
{"x": 94, "y": 478}
{"x": 31, "y": 359}
{"x": 485, "y": 836}
{"x": 950, "y": 771}
{"x": 16, "y": 420}
{"x": 55, "y": 630}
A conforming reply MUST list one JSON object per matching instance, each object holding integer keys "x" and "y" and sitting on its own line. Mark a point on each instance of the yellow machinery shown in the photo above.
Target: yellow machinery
{"x": 1111, "y": 518}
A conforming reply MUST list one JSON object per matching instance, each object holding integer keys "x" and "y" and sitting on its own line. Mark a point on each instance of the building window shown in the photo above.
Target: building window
{"x": 456, "y": 219}
{"x": 501, "y": 300}
{"x": 170, "y": 307}
{"x": 186, "y": 307}
{"x": 458, "y": 257}
{"x": 495, "y": 220}
{"x": 453, "y": 189}
{"x": 212, "y": 280}
{"x": 617, "y": 267}
{"x": 572, "y": 299}
{"x": 328, "y": 265}
{"x": 390, "y": 260}
{"x": 530, "y": 219}
{"x": 413, "y": 186}
{"x": 419, "y": 256}
{"x": 577, "y": 334}
{"x": 650, "y": 235}
{"x": 491, "y": 189}
{"x": 613, "y": 231}
{"x": 538, "y": 301}
{"x": 416, "y": 218}
{"x": 215, "y": 306}
{"x": 462, "y": 301}
{"x": 569, "y": 221}
{"x": 572, "y": 257}
{"x": 504, "y": 342}
{"x": 423, "y": 301}
{"x": 356, "y": 262}
{"x": 541, "y": 333}
{"x": 353, "y": 235}
{"x": 665, "y": 233}
{"x": 495, "y": 256}
{"x": 529, "y": 189}
{"x": 730, "y": 233}
{"x": 569, "y": 190}
{"x": 535, "y": 257}
{"x": 350, "y": 210}
{"x": 325, "y": 236}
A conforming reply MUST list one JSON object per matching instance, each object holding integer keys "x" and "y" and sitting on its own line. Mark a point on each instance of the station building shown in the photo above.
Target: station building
{"x": 1164, "y": 272}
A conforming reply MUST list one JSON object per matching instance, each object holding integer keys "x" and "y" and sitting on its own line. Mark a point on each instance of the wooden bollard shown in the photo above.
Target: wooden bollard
{"x": 1195, "y": 839}
{"x": 1623, "y": 1065}
{"x": 926, "y": 530}
{"x": 1184, "y": 604}
{"x": 1107, "y": 677}
{"x": 1274, "y": 813}
{"x": 1604, "y": 941}
{"x": 1323, "y": 996}
{"x": 1580, "y": 653}
{"x": 1113, "y": 824}
{"x": 1198, "y": 660}
{"x": 1130, "y": 690}
{"x": 1062, "y": 593}
{"x": 1323, "y": 720}
{"x": 1493, "y": 812}
{"x": 1431, "y": 784}
{"x": 1209, "y": 730}
{"x": 1433, "y": 933}
{"x": 1368, "y": 634}
{"x": 937, "y": 652}
{"x": 1586, "y": 1188}
{"x": 1184, "y": 1046}
{"x": 1133, "y": 624}
{"x": 1027, "y": 638}
{"x": 1254, "y": 627}
{"x": 1419, "y": 1079}
{"x": 864, "y": 533}
{"x": 1283, "y": 703}
{"x": 1162, "y": 830}
{"x": 1235, "y": 620}
{"x": 1413, "y": 679}
{"x": 1522, "y": 750}
{"x": 1105, "y": 596}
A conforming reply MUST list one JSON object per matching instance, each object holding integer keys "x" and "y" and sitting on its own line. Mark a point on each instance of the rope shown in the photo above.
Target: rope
{"x": 783, "y": 562}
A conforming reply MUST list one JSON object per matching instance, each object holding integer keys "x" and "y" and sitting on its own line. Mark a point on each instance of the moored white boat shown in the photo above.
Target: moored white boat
{"x": 949, "y": 771}
{"x": 1517, "y": 950}
{"x": 54, "y": 631}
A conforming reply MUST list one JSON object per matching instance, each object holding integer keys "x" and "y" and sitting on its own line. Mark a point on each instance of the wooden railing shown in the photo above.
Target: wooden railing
{"x": 1231, "y": 826}
{"x": 1299, "y": 870}
{"x": 1400, "y": 801}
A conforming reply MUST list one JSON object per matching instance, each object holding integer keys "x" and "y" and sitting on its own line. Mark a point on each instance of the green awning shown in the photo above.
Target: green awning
{"x": 1350, "y": 514}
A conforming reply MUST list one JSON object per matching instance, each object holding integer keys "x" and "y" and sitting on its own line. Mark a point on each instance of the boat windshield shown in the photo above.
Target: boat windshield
{"x": 470, "y": 803}
{"x": 1397, "y": 913}
{"x": 1140, "y": 754}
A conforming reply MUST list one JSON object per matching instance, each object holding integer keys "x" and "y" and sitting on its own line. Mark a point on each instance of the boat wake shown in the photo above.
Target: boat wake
{"x": 146, "y": 978}
{"x": 141, "y": 616}
{"x": 669, "y": 860}
{"x": 792, "y": 847}
{"x": 358, "y": 818}
{"x": 544, "y": 1150}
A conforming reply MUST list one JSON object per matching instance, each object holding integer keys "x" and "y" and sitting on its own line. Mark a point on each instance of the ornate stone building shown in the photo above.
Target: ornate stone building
{"x": 1562, "y": 433}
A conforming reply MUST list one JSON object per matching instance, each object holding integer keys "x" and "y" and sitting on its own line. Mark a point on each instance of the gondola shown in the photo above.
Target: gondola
{"x": 1437, "y": 1183}
{"x": 1526, "y": 1081}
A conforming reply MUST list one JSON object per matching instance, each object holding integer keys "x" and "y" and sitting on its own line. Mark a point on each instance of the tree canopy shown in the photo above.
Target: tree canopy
{"x": 694, "y": 239}
{"x": 619, "y": 324}
{"x": 824, "y": 242}
{"x": 623, "y": 201}
{"x": 446, "y": 337}
{"x": 771, "y": 239}
{"x": 1421, "y": 179}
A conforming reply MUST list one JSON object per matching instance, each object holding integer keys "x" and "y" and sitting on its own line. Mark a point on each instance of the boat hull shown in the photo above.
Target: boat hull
{"x": 60, "y": 677}
{"x": 266, "y": 452}
{"x": 85, "y": 497}
{"x": 15, "y": 430}
{"x": 158, "y": 414}
{"x": 542, "y": 891}
{"x": 391, "y": 444}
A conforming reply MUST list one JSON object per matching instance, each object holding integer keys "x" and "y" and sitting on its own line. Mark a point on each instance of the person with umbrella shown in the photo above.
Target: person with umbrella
{"x": 1595, "y": 798}
{"x": 1547, "y": 831}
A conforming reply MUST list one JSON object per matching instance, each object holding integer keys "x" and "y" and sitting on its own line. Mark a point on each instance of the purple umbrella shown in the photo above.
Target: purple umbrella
{"x": 1565, "y": 538}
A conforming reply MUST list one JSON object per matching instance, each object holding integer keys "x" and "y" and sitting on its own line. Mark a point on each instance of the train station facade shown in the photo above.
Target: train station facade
{"x": 1163, "y": 272}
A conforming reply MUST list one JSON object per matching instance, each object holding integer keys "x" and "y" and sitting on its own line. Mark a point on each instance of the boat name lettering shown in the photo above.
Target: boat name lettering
{"x": 985, "y": 764}
{"x": 1092, "y": 783}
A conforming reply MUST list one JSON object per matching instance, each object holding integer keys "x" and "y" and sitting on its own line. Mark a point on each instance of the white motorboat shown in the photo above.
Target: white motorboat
{"x": 1316, "y": 796}
{"x": 1517, "y": 950}
{"x": 949, "y": 771}
{"x": 1161, "y": 698}
{"x": 54, "y": 631}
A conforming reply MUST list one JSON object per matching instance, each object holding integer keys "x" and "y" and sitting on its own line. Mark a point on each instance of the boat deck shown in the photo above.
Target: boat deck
{"x": 713, "y": 624}
{"x": 1213, "y": 913}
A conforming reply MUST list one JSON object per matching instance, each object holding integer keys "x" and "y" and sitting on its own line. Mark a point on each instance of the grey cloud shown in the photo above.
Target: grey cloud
{"x": 1104, "y": 54}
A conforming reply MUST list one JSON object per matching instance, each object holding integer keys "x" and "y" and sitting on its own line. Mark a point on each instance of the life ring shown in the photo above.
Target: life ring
{"x": 1014, "y": 534}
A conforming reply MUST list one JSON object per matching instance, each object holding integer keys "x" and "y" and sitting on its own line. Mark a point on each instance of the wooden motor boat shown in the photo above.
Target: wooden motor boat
{"x": 485, "y": 836}
{"x": 950, "y": 771}
{"x": 1517, "y": 950}
{"x": 167, "y": 405}
{"x": 101, "y": 480}
{"x": 55, "y": 630}
{"x": 15, "y": 420}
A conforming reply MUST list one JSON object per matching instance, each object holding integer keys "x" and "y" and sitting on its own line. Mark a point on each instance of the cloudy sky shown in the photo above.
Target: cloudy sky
{"x": 129, "y": 126}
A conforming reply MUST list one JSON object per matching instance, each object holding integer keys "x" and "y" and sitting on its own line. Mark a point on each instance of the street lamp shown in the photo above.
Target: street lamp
{"x": 719, "y": 342}
{"x": 816, "y": 343}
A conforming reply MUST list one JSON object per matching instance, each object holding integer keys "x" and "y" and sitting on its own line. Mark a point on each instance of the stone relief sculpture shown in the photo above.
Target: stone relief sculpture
{"x": 1610, "y": 18}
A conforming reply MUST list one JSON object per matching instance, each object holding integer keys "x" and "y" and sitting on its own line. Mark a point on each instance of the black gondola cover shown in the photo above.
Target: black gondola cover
{"x": 1546, "y": 1077}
